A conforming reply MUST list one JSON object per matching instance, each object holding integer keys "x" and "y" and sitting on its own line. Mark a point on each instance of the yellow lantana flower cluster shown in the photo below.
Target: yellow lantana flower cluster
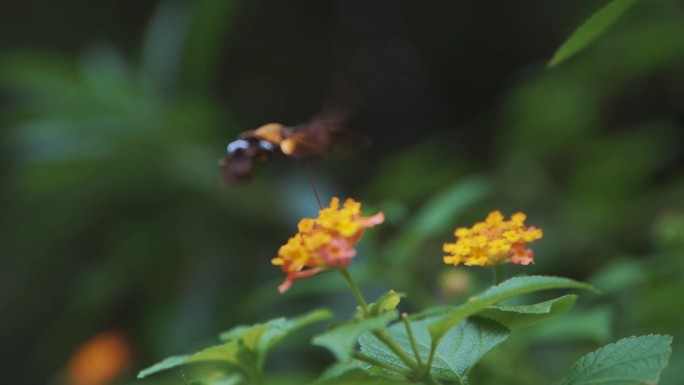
{"x": 325, "y": 242}
{"x": 492, "y": 242}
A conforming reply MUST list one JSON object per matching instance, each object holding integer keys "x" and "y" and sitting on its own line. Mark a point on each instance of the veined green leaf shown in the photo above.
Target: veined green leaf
{"x": 167, "y": 363}
{"x": 261, "y": 337}
{"x": 216, "y": 379}
{"x": 591, "y": 29}
{"x": 507, "y": 289}
{"x": 244, "y": 347}
{"x": 516, "y": 317}
{"x": 342, "y": 339}
{"x": 354, "y": 374}
{"x": 630, "y": 361}
{"x": 460, "y": 349}
{"x": 357, "y": 376}
{"x": 232, "y": 379}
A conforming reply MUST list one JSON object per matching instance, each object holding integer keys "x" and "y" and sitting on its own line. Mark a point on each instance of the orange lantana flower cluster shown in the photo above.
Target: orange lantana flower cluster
{"x": 325, "y": 242}
{"x": 492, "y": 242}
{"x": 100, "y": 360}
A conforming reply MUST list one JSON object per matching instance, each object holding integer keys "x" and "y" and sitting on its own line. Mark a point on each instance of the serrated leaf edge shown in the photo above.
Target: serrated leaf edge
{"x": 600, "y": 350}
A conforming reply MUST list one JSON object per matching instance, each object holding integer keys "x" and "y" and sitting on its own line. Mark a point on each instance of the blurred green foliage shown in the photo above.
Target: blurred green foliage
{"x": 113, "y": 216}
{"x": 591, "y": 29}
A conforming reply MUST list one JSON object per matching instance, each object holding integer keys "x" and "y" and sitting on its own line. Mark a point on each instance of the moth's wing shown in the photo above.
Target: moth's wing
{"x": 236, "y": 170}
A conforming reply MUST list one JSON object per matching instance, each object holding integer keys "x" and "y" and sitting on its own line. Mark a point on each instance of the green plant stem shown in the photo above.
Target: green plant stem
{"x": 433, "y": 349}
{"x": 382, "y": 334}
{"x": 355, "y": 290}
{"x": 257, "y": 372}
{"x": 497, "y": 273}
{"x": 429, "y": 380}
{"x": 257, "y": 376}
{"x": 412, "y": 340}
{"x": 384, "y": 337}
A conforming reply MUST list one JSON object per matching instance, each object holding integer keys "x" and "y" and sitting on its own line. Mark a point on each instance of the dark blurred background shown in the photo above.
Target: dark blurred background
{"x": 114, "y": 114}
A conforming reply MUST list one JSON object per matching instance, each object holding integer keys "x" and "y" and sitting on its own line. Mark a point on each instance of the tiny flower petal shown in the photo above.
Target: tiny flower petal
{"x": 532, "y": 234}
{"x": 520, "y": 255}
{"x": 519, "y": 218}
{"x": 289, "y": 280}
{"x": 452, "y": 260}
{"x": 512, "y": 236}
{"x": 375, "y": 220}
{"x": 495, "y": 217}
{"x": 462, "y": 232}
{"x": 306, "y": 225}
{"x": 338, "y": 252}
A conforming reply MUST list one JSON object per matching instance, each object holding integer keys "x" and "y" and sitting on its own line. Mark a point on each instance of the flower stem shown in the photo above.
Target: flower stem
{"x": 429, "y": 380}
{"x": 381, "y": 334}
{"x": 355, "y": 290}
{"x": 256, "y": 376}
{"x": 385, "y": 338}
{"x": 427, "y": 377}
{"x": 409, "y": 332}
{"x": 497, "y": 273}
{"x": 431, "y": 356}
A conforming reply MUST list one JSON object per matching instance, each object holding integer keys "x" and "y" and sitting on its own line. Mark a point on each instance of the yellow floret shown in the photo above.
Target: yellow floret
{"x": 305, "y": 225}
{"x": 491, "y": 242}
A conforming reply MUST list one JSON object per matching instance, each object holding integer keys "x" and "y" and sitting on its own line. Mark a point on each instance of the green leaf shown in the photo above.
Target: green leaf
{"x": 341, "y": 340}
{"x": 262, "y": 337}
{"x": 210, "y": 27}
{"x": 591, "y": 325}
{"x": 441, "y": 210}
{"x": 355, "y": 376}
{"x": 167, "y": 363}
{"x": 216, "y": 378}
{"x": 516, "y": 317}
{"x": 439, "y": 213}
{"x": 232, "y": 379}
{"x": 621, "y": 275}
{"x": 232, "y": 352}
{"x": 630, "y": 361}
{"x": 165, "y": 39}
{"x": 591, "y": 29}
{"x": 507, "y": 289}
{"x": 460, "y": 349}
{"x": 353, "y": 373}
{"x": 244, "y": 347}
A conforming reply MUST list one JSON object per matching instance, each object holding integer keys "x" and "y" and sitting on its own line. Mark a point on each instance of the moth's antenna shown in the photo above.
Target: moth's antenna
{"x": 313, "y": 185}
